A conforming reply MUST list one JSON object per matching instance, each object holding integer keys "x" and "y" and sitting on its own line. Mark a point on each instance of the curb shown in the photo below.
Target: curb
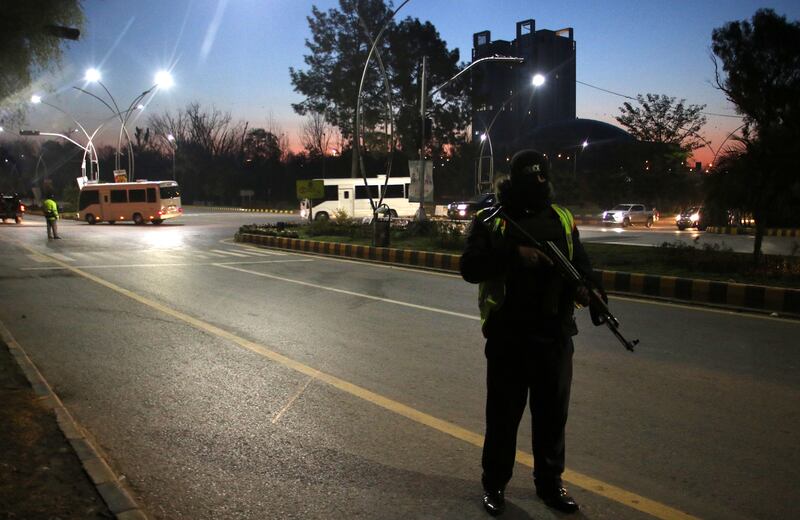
{"x": 733, "y": 295}
{"x": 119, "y": 500}
{"x": 245, "y": 210}
{"x": 769, "y": 232}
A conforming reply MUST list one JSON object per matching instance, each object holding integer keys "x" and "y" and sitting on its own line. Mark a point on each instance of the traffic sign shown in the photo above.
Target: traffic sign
{"x": 310, "y": 189}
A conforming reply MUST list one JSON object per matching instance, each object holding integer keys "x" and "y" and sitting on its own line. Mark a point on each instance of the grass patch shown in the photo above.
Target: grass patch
{"x": 686, "y": 261}
{"x": 669, "y": 259}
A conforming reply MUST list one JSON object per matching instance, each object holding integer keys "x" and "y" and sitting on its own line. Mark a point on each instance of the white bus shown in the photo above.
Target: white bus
{"x": 139, "y": 202}
{"x": 351, "y": 196}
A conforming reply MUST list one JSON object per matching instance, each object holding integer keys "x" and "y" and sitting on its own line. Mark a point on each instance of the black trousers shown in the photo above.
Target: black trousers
{"x": 518, "y": 371}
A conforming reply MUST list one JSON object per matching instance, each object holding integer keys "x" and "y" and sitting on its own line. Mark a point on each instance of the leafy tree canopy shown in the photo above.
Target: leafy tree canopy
{"x": 27, "y": 48}
{"x": 338, "y": 50}
{"x": 761, "y": 64}
{"x": 660, "y": 119}
{"x": 760, "y": 61}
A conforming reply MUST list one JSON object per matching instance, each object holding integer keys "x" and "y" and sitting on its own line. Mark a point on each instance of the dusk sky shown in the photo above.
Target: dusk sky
{"x": 236, "y": 54}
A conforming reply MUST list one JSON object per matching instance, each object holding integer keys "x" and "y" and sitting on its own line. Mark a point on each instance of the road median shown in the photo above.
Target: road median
{"x": 737, "y": 296}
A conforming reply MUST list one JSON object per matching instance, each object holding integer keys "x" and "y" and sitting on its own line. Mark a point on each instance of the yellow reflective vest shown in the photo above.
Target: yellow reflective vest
{"x": 492, "y": 292}
{"x": 50, "y": 209}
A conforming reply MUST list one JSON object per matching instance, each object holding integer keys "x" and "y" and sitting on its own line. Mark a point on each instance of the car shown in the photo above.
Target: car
{"x": 692, "y": 217}
{"x": 467, "y": 209}
{"x": 11, "y": 208}
{"x": 628, "y": 214}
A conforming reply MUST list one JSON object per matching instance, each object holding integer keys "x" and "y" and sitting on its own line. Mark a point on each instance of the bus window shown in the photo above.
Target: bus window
{"x": 332, "y": 192}
{"x": 136, "y": 196}
{"x": 394, "y": 191}
{"x": 361, "y": 192}
{"x": 408, "y": 189}
{"x": 88, "y": 198}
{"x": 119, "y": 196}
{"x": 169, "y": 192}
{"x": 151, "y": 194}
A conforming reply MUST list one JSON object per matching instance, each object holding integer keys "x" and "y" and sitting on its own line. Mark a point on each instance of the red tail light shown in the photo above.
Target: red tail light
{"x": 22, "y": 207}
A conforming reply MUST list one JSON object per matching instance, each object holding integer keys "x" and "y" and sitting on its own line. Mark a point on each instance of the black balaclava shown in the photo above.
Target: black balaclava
{"x": 530, "y": 181}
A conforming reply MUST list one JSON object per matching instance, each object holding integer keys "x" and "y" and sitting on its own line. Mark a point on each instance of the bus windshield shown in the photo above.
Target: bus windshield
{"x": 170, "y": 192}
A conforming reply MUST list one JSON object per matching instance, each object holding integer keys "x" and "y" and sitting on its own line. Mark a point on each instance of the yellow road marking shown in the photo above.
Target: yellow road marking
{"x": 598, "y": 487}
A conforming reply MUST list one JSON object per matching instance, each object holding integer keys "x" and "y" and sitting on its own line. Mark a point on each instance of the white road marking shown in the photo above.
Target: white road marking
{"x": 351, "y": 293}
{"x": 115, "y": 266}
{"x": 230, "y": 253}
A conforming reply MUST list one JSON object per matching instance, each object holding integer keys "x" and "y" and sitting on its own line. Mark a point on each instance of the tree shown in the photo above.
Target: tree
{"x": 338, "y": 51}
{"x": 315, "y": 134}
{"x": 27, "y": 47}
{"x": 760, "y": 75}
{"x": 262, "y": 145}
{"x": 659, "y": 119}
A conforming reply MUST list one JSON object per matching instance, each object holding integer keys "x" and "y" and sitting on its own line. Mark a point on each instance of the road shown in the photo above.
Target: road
{"x": 226, "y": 381}
{"x": 665, "y": 232}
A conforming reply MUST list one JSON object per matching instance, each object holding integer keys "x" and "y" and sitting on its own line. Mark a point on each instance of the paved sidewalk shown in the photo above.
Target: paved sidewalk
{"x": 41, "y": 477}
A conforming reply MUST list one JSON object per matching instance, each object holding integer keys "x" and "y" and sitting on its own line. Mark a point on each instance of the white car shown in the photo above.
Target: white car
{"x": 628, "y": 214}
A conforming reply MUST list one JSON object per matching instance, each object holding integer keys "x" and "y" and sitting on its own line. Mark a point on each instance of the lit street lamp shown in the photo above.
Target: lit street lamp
{"x": 173, "y": 145}
{"x": 163, "y": 79}
{"x": 536, "y": 81}
{"x": 424, "y": 95}
{"x": 581, "y": 147}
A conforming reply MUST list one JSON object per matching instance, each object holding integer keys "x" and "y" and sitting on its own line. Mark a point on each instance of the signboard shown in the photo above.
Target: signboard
{"x": 313, "y": 189}
{"x": 414, "y": 187}
{"x": 120, "y": 176}
{"x": 82, "y": 180}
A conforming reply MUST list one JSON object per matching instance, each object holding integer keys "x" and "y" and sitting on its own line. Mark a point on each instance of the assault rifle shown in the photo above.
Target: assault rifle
{"x": 572, "y": 275}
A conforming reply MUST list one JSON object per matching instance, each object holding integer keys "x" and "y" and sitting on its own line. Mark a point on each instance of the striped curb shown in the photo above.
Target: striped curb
{"x": 781, "y": 300}
{"x": 246, "y": 210}
{"x": 118, "y": 499}
{"x": 770, "y": 232}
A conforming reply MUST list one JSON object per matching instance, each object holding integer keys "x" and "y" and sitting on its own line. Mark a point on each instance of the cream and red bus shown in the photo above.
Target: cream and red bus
{"x": 138, "y": 202}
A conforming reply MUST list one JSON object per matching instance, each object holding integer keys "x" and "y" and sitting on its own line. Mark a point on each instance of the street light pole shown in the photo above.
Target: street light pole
{"x": 537, "y": 81}
{"x": 423, "y": 99}
{"x": 35, "y": 99}
{"x": 421, "y": 171}
{"x": 173, "y": 145}
{"x": 578, "y": 149}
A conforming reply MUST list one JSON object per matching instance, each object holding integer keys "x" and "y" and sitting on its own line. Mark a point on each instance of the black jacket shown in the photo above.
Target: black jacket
{"x": 539, "y": 302}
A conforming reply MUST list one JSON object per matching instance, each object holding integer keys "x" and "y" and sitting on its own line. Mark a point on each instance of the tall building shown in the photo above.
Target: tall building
{"x": 507, "y": 107}
{"x": 505, "y": 93}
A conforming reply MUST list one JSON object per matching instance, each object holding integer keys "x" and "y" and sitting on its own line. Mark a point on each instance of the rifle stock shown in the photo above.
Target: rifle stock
{"x": 572, "y": 275}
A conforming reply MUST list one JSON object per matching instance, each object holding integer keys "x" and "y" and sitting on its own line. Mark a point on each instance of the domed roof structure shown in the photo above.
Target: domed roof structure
{"x": 570, "y": 134}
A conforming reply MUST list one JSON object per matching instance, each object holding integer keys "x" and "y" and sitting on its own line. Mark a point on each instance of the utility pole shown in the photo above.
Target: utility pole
{"x": 421, "y": 171}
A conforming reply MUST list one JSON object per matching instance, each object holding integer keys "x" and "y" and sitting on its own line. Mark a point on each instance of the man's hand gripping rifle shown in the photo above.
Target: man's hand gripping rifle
{"x": 572, "y": 275}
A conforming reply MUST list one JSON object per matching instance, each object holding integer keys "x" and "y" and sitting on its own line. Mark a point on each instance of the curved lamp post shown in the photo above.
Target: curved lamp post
{"x": 71, "y": 140}
{"x": 173, "y": 145}
{"x": 163, "y": 79}
{"x": 93, "y": 76}
{"x": 578, "y": 149}
{"x": 89, "y": 148}
{"x": 537, "y": 81}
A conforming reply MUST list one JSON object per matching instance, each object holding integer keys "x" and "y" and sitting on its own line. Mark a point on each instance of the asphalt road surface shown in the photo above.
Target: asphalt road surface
{"x": 227, "y": 381}
{"x": 664, "y": 231}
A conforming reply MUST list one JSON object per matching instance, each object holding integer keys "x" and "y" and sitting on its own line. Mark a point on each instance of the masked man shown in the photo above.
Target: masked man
{"x": 527, "y": 320}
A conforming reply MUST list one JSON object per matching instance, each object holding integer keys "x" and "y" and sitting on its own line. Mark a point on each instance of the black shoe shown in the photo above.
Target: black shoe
{"x": 558, "y": 499}
{"x": 494, "y": 502}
